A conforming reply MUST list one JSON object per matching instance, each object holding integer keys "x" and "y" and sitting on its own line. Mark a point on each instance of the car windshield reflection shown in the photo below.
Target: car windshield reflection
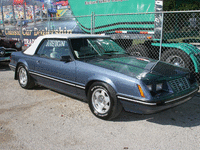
{"x": 87, "y": 48}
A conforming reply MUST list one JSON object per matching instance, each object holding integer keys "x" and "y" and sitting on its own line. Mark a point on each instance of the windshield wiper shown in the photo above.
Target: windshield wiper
{"x": 111, "y": 53}
{"x": 87, "y": 55}
{"x": 107, "y": 52}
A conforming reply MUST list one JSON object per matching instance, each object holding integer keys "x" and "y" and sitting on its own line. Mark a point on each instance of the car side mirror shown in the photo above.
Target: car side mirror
{"x": 66, "y": 58}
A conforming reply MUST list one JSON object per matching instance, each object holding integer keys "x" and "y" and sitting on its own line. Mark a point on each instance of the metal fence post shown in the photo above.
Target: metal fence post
{"x": 13, "y": 11}
{"x": 94, "y": 23}
{"x": 161, "y": 37}
{"x": 91, "y": 32}
{"x": 24, "y": 9}
{"x": 2, "y": 13}
{"x": 41, "y": 13}
{"x": 21, "y": 36}
{"x": 34, "y": 19}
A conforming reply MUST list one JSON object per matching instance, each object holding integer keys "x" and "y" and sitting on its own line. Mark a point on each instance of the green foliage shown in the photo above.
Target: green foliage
{"x": 169, "y": 5}
{"x": 178, "y": 5}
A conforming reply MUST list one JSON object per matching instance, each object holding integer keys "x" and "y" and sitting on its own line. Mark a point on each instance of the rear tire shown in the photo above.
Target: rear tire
{"x": 24, "y": 78}
{"x": 171, "y": 54}
{"x": 103, "y": 102}
{"x": 138, "y": 50}
{"x": 178, "y": 58}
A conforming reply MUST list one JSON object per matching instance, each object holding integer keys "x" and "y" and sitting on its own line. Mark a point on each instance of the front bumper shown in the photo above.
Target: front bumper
{"x": 142, "y": 107}
{"x": 4, "y": 59}
{"x": 12, "y": 67}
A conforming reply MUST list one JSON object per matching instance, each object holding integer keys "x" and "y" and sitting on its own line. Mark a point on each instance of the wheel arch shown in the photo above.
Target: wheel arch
{"x": 189, "y": 49}
{"x": 20, "y": 62}
{"x": 107, "y": 81}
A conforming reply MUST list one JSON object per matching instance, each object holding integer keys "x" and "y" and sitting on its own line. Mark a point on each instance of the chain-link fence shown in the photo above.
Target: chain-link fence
{"x": 172, "y": 37}
{"x": 182, "y": 39}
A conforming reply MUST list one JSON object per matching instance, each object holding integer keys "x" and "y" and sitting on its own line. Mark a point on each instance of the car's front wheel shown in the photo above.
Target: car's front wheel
{"x": 103, "y": 102}
{"x": 24, "y": 78}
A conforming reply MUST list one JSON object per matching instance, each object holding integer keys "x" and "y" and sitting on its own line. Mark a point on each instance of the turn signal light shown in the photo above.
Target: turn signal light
{"x": 141, "y": 92}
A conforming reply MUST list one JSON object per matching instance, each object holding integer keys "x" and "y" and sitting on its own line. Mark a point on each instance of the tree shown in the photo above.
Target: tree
{"x": 178, "y": 5}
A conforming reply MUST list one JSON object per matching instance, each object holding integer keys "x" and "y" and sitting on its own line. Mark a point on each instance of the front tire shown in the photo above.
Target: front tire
{"x": 24, "y": 78}
{"x": 103, "y": 102}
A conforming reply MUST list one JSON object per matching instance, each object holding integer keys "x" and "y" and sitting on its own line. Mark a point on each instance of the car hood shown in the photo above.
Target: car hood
{"x": 141, "y": 68}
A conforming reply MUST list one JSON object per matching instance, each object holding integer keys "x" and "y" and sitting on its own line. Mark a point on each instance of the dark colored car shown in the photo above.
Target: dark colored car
{"x": 7, "y": 46}
{"x": 94, "y": 68}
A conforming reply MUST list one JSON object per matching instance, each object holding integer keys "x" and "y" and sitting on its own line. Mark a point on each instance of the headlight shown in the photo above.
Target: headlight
{"x": 159, "y": 87}
{"x": 150, "y": 87}
{"x": 2, "y": 52}
{"x": 18, "y": 45}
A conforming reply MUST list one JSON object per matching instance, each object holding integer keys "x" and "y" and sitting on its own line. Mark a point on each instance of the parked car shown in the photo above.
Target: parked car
{"x": 7, "y": 46}
{"x": 94, "y": 68}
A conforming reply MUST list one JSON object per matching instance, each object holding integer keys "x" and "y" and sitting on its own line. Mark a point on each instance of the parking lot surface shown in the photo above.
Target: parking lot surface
{"x": 42, "y": 119}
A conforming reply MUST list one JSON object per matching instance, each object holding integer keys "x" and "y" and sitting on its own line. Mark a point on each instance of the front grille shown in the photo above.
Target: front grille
{"x": 7, "y": 54}
{"x": 6, "y": 51}
{"x": 179, "y": 85}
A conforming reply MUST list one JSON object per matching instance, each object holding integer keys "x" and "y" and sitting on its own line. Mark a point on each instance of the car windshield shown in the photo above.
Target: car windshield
{"x": 85, "y": 48}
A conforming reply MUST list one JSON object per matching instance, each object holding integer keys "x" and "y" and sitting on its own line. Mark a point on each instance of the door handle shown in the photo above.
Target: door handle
{"x": 37, "y": 61}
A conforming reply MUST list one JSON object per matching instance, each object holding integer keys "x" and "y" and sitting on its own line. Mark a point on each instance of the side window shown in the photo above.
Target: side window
{"x": 54, "y": 49}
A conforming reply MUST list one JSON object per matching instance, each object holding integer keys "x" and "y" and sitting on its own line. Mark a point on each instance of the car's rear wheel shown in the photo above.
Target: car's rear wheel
{"x": 103, "y": 102}
{"x": 24, "y": 78}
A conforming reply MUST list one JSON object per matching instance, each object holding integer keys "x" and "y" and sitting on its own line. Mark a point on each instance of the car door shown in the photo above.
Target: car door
{"x": 54, "y": 67}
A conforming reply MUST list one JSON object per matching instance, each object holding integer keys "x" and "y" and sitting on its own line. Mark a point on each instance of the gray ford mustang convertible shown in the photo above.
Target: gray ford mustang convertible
{"x": 94, "y": 68}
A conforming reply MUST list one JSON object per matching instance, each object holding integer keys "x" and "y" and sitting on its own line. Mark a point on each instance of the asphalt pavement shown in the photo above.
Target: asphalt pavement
{"x": 42, "y": 119}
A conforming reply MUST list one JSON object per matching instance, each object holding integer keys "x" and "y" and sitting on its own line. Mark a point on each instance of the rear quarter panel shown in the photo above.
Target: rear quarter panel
{"x": 18, "y": 58}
